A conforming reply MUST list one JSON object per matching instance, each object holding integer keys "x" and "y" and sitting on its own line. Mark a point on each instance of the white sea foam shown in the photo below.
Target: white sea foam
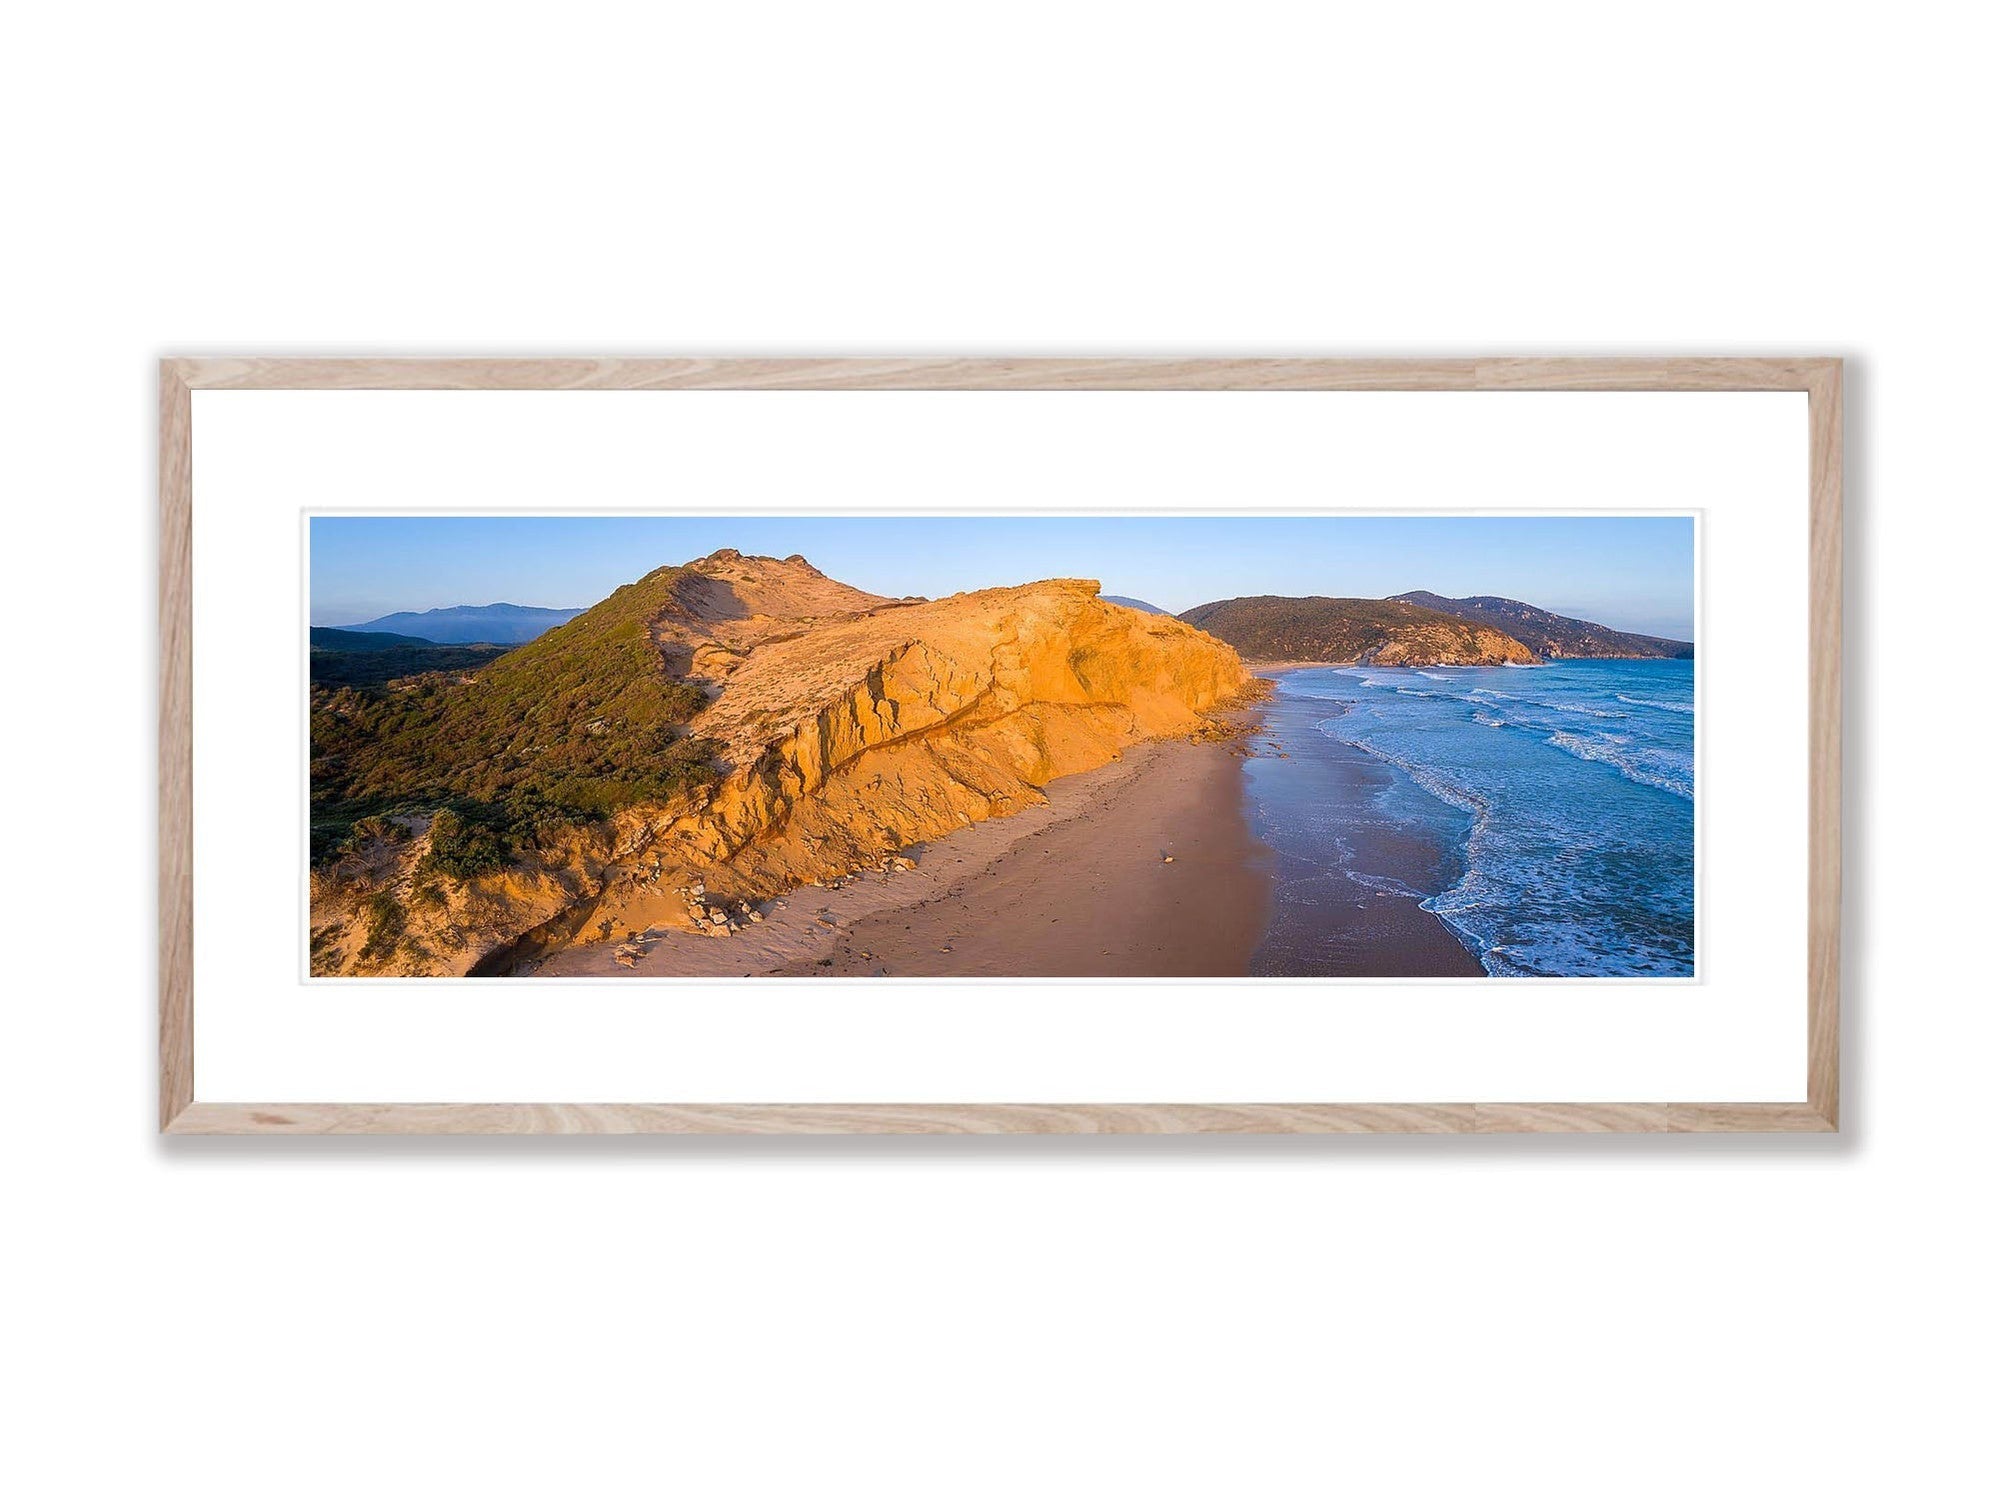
{"x": 1645, "y": 767}
{"x": 1537, "y": 702}
{"x": 1648, "y": 702}
{"x": 1562, "y": 873}
{"x": 1426, "y": 777}
{"x": 1580, "y": 708}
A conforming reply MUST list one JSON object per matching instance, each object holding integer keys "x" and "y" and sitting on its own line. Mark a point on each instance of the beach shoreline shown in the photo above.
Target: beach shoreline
{"x": 1142, "y": 868}
{"x": 1351, "y": 876}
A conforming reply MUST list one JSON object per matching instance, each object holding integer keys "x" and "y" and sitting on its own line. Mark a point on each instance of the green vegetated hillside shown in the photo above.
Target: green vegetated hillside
{"x": 325, "y": 638}
{"x": 1381, "y": 632}
{"x": 370, "y": 666}
{"x": 1553, "y": 635}
{"x": 577, "y": 723}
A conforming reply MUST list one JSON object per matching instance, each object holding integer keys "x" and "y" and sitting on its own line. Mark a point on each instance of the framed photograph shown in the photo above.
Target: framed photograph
{"x": 1064, "y": 746}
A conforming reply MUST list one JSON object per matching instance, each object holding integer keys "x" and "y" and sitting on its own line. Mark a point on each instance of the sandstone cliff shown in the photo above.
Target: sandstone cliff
{"x": 845, "y": 728}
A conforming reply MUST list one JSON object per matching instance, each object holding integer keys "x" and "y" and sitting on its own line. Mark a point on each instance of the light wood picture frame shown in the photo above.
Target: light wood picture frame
{"x": 183, "y": 1111}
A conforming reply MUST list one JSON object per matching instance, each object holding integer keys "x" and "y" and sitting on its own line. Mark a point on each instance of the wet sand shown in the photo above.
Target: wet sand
{"x": 1144, "y": 867}
{"x": 1350, "y": 873}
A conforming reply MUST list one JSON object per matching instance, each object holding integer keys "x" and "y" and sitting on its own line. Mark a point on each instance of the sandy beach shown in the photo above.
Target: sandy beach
{"x": 1145, "y": 866}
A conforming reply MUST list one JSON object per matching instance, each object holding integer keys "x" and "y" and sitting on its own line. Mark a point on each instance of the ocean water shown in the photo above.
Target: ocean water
{"x": 1566, "y": 790}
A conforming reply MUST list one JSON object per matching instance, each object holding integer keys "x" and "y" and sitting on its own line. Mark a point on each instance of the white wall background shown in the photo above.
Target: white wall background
{"x": 991, "y": 1317}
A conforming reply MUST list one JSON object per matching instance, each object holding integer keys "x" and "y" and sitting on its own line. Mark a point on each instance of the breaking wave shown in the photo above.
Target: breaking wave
{"x": 1641, "y": 765}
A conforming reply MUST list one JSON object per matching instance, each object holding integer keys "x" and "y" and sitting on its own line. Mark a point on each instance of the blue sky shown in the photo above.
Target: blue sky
{"x": 1630, "y": 572}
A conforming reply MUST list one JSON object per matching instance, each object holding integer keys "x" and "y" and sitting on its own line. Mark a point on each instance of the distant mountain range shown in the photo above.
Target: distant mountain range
{"x": 1139, "y": 604}
{"x": 1555, "y": 636}
{"x": 467, "y": 624}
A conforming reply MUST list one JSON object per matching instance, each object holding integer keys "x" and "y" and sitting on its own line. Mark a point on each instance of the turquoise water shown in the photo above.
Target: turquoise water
{"x": 1566, "y": 789}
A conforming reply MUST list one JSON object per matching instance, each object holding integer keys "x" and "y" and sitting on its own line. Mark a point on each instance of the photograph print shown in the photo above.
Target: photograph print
{"x": 1333, "y": 746}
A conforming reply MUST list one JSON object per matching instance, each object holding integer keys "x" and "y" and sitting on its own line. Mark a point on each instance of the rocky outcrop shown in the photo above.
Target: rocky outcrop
{"x": 1355, "y": 632}
{"x": 850, "y": 727}
{"x": 1556, "y": 636}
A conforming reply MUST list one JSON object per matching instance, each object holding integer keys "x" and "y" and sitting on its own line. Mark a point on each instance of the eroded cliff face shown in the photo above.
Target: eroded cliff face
{"x": 874, "y": 733}
{"x": 852, "y": 727}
